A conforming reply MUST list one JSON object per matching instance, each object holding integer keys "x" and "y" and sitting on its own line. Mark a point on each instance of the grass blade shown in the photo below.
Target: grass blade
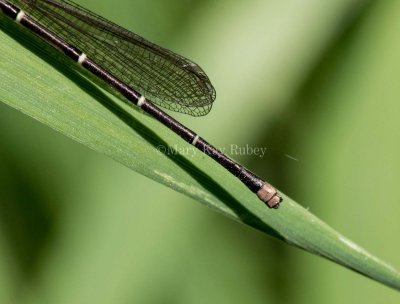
{"x": 36, "y": 81}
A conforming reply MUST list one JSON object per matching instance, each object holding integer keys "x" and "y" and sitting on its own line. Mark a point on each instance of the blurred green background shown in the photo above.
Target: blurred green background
{"x": 77, "y": 227}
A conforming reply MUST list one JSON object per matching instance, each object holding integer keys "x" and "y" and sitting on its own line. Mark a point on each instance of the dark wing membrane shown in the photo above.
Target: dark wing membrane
{"x": 166, "y": 78}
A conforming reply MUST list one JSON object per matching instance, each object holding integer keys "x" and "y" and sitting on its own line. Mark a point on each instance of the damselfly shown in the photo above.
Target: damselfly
{"x": 145, "y": 73}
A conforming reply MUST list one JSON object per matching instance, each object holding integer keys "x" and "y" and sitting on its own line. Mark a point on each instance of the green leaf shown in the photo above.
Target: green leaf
{"x": 38, "y": 81}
